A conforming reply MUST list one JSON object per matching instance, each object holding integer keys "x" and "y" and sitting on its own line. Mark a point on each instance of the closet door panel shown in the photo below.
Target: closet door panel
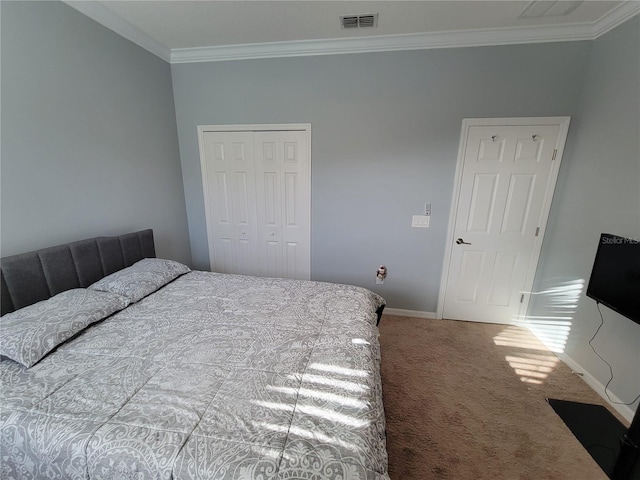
{"x": 283, "y": 190}
{"x": 229, "y": 181}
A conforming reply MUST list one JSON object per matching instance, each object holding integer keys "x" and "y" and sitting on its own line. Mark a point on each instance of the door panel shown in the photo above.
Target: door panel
{"x": 502, "y": 278}
{"x": 471, "y": 266}
{"x": 518, "y": 203}
{"x": 291, "y": 199}
{"x": 292, "y": 257}
{"x": 224, "y": 207}
{"x": 271, "y": 197}
{"x": 508, "y": 171}
{"x": 482, "y": 202}
{"x": 242, "y": 201}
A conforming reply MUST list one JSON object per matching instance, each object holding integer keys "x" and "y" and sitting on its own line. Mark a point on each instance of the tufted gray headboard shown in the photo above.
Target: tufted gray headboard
{"x": 30, "y": 277}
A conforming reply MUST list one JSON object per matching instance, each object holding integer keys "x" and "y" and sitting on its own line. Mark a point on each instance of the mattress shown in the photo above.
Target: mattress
{"x": 213, "y": 376}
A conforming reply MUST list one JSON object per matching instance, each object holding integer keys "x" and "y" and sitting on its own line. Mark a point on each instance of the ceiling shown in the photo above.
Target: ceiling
{"x": 191, "y": 31}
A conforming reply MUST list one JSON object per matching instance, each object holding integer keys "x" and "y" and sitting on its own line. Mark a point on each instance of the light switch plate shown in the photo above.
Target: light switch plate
{"x": 420, "y": 221}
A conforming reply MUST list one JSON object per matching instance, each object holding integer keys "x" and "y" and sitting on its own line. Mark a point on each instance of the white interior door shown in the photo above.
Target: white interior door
{"x": 257, "y": 192}
{"x": 506, "y": 176}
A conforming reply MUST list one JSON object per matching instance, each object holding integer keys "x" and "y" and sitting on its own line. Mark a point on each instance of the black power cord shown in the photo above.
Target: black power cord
{"x": 607, "y": 363}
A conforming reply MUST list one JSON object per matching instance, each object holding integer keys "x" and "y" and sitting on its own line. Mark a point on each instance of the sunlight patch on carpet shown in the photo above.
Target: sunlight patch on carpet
{"x": 529, "y": 358}
{"x": 520, "y": 338}
{"x": 532, "y": 368}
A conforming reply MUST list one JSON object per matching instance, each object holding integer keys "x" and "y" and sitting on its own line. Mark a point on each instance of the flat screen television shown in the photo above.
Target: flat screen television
{"x": 615, "y": 277}
{"x": 615, "y": 282}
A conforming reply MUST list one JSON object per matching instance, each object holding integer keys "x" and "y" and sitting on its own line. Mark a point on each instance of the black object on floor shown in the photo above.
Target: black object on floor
{"x": 596, "y": 428}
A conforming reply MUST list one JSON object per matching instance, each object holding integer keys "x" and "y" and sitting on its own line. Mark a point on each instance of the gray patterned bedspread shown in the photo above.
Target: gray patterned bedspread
{"x": 212, "y": 377}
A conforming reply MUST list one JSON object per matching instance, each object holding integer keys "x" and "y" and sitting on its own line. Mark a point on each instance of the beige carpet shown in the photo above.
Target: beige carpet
{"x": 467, "y": 401}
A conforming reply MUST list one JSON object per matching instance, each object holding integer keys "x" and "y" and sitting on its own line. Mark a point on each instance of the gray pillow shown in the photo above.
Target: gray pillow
{"x": 142, "y": 278}
{"x": 29, "y": 333}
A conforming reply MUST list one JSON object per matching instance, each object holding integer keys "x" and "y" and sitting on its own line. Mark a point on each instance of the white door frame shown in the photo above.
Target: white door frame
{"x": 563, "y": 122}
{"x": 261, "y": 127}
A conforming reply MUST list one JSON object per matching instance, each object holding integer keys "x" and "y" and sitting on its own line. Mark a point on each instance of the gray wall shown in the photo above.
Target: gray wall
{"x": 385, "y": 134}
{"x": 89, "y": 139}
{"x": 598, "y": 191}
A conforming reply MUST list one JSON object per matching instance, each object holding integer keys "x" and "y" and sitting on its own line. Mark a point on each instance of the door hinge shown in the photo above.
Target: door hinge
{"x": 522, "y": 298}
{"x": 537, "y": 231}
{"x": 555, "y": 152}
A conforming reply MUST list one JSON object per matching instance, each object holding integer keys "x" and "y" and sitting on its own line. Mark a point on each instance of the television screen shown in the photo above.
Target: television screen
{"x": 615, "y": 278}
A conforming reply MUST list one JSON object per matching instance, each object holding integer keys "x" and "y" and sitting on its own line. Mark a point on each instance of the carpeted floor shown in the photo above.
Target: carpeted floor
{"x": 468, "y": 401}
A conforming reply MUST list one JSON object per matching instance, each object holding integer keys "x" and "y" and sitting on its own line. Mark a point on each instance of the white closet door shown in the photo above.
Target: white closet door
{"x": 229, "y": 179}
{"x": 257, "y": 192}
{"x": 282, "y": 190}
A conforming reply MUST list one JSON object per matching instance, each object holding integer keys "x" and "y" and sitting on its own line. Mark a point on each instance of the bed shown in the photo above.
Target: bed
{"x": 119, "y": 365}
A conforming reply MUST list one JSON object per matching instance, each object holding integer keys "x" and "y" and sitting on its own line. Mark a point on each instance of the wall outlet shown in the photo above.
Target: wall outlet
{"x": 379, "y": 281}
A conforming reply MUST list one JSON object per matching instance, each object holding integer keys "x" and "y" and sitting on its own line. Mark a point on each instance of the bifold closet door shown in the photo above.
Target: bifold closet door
{"x": 282, "y": 191}
{"x": 257, "y": 200}
{"x": 230, "y": 199}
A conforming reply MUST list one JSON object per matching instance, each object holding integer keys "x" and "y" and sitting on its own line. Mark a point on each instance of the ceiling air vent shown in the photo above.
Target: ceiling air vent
{"x": 359, "y": 21}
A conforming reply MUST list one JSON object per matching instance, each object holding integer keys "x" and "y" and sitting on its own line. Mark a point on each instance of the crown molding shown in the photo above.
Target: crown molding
{"x": 385, "y": 43}
{"x": 107, "y": 18}
{"x": 382, "y": 43}
{"x": 616, "y": 17}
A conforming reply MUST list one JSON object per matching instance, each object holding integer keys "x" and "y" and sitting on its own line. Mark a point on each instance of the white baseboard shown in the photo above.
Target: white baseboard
{"x": 624, "y": 410}
{"x": 590, "y": 380}
{"x": 401, "y": 312}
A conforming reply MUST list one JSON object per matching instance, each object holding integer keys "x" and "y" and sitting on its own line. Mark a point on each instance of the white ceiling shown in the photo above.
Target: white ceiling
{"x": 189, "y": 31}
